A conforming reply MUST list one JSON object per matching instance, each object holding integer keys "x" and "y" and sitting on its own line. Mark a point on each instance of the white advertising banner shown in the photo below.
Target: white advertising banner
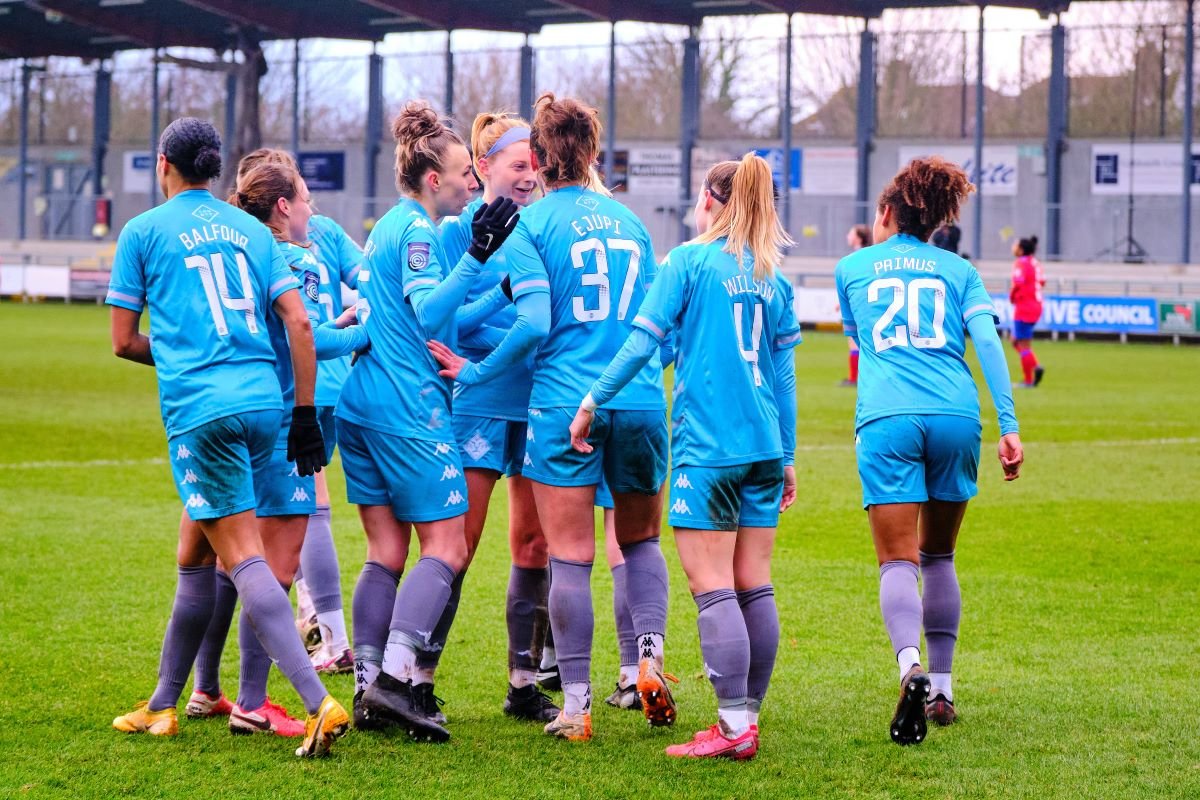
{"x": 999, "y": 173}
{"x": 135, "y": 175}
{"x": 829, "y": 171}
{"x": 654, "y": 170}
{"x": 816, "y": 305}
{"x": 1146, "y": 168}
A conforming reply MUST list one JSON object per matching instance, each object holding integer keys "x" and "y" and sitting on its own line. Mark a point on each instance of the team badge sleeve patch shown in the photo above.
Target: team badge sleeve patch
{"x": 418, "y": 255}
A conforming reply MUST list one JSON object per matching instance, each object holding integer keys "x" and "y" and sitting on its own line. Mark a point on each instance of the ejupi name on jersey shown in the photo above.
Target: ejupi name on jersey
{"x": 590, "y": 223}
{"x": 214, "y": 233}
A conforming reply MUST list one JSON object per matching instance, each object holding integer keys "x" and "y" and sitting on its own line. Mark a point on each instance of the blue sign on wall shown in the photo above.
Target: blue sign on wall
{"x": 774, "y": 157}
{"x": 324, "y": 172}
{"x": 1067, "y": 313}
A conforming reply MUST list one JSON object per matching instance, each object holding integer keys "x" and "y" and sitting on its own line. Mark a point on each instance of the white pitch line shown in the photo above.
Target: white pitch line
{"x": 102, "y": 462}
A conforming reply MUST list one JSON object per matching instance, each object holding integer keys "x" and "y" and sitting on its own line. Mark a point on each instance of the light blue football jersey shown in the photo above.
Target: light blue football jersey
{"x": 727, "y": 326}
{"x": 338, "y": 260}
{"x": 594, "y": 258}
{"x": 907, "y": 303}
{"x": 209, "y": 273}
{"x": 303, "y": 264}
{"x": 395, "y": 388}
{"x": 507, "y": 395}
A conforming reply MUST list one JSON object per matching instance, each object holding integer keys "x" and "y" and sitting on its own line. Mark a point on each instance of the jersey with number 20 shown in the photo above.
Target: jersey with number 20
{"x": 907, "y": 303}
{"x": 209, "y": 272}
{"x": 594, "y": 257}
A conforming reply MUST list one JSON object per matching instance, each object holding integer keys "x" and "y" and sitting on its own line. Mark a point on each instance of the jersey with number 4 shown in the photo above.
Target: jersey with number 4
{"x": 907, "y": 303}
{"x": 727, "y": 326}
{"x": 593, "y": 256}
{"x": 208, "y": 272}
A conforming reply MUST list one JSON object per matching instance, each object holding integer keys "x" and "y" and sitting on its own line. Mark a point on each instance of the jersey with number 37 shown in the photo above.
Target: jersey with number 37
{"x": 908, "y": 303}
{"x": 208, "y": 272}
{"x": 594, "y": 258}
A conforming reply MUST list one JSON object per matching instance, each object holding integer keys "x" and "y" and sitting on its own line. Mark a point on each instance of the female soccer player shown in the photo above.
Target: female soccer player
{"x": 393, "y": 416}
{"x": 490, "y": 424}
{"x": 579, "y": 265}
{"x": 734, "y": 422}
{"x": 1026, "y": 297}
{"x": 857, "y": 238}
{"x": 917, "y": 428}
{"x": 207, "y": 271}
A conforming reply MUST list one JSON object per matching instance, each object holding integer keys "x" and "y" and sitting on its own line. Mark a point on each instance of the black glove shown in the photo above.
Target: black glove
{"x": 492, "y": 224}
{"x": 506, "y": 287}
{"x": 305, "y": 445}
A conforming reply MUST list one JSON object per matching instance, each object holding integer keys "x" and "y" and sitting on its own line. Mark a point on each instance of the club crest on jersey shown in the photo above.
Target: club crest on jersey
{"x": 312, "y": 286}
{"x": 418, "y": 255}
{"x": 205, "y": 213}
{"x": 590, "y": 203}
{"x": 904, "y": 248}
{"x": 477, "y": 446}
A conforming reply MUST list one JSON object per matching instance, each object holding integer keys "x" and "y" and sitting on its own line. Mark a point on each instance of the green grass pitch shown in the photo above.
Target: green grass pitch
{"x": 1076, "y": 673}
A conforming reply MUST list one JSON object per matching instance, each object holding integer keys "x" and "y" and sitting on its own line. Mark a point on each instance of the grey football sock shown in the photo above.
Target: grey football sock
{"x": 264, "y": 600}
{"x": 524, "y": 603}
{"x": 646, "y": 586}
{"x": 941, "y": 604}
{"x": 626, "y": 640}
{"x": 319, "y": 563}
{"x": 374, "y": 599}
{"x": 428, "y": 658}
{"x": 255, "y": 666}
{"x": 208, "y": 660}
{"x": 571, "y": 618}
{"x": 762, "y": 626}
{"x": 900, "y": 603}
{"x": 195, "y": 592}
{"x": 421, "y": 599}
{"x": 724, "y": 644}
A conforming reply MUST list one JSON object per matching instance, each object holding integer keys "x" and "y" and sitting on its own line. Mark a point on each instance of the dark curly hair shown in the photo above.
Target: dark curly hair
{"x": 193, "y": 147}
{"x": 925, "y": 194}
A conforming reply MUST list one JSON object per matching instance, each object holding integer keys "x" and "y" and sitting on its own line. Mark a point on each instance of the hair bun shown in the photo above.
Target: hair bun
{"x": 1033, "y": 239}
{"x": 207, "y": 162}
{"x": 416, "y": 120}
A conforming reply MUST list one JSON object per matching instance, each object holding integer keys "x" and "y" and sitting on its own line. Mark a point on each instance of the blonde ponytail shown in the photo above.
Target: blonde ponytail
{"x": 748, "y": 219}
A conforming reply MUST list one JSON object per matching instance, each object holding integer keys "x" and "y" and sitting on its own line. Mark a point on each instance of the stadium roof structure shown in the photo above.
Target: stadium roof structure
{"x": 97, "y": 28}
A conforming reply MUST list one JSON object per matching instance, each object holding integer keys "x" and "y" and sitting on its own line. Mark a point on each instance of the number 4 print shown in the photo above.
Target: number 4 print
{"x": 216, "y": 289}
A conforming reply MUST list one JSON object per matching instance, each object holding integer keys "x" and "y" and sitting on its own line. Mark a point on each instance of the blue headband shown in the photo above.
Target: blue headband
{"x": 511, "y": 135}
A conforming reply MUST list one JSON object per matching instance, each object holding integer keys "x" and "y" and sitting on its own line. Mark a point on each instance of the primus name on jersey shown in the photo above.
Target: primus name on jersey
{"x": 214, "y": 233}
{"x": 915, "y": 264}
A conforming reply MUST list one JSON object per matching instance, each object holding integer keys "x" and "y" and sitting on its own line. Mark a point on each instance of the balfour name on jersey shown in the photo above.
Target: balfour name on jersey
{"x": 914, "y": 264}
{"x": 213, "y": 233}
{"x": 742, "y": 284}
{"x": 590, "y": 223}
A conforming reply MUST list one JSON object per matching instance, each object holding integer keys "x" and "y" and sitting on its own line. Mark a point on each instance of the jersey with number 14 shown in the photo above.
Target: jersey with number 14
{"x": 208, "y": 272}
{"x": 594, "y": 257}
{"x": 908, "y": 303}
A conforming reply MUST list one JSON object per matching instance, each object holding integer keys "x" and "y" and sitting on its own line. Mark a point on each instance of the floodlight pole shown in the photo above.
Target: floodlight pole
{"x": 101, "y": 124}
{"x": 449, "y": 95}
{"x": 154, "y": 125}
{"x": 865, "y": 122}
{"x": 1056, "y": 132}
{"x": 526, "y": 99}
{"x": 230, "y": 125}
{"x": 296, "y": 98}
{"x": 610, "y": 114}
{"x": 23, "y": 148}
{"x": 374, "y": 132}
{"x": 1189, "y": 92}
{"x": 785, "y": 122}
{"x": 977, "y": 234}
{"x": 689, "y": 127}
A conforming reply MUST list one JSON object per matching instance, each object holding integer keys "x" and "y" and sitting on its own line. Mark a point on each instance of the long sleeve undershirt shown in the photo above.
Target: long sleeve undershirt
{"x": 436, "y": 305}
{"x": 531, "y": 327}
{"x": 995, "y": 370}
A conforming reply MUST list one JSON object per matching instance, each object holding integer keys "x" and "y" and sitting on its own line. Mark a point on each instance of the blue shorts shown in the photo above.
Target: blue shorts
{"x": 604, "y": 497}
{"x": 727, "y": 498}
{"x": 282, "y": 492}
{"x": 630, "y": 450}
{"x": 422, "y": 481}
{"x": 911, "y": 458}
{"x": 495, "y": 444}
{"x": 1022, "y": 330}
{"x": 220, "y": 466}
{"x": 328, "y": 430}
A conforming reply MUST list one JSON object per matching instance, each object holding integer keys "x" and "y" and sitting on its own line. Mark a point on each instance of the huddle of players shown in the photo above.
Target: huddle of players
{"x": 543, "y": 298}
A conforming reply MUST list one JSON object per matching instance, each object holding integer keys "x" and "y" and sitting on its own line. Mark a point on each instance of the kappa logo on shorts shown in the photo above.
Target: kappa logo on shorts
{"x": 528, "y": 462}
{"x": 189, "y": 477}
{"x": 477, "y": 446}
{"x": 857, "y": 440}
{"x": 196, "y": 501}
{"x": 454, "y": 499}
{"x": 449, "y": 472}
{"x": 295, "y": 473}
{"x": 182, "y": 453}
{"x": 300, "y": 496}
{"x": 529, "y": 435}
{"x": 441, "y": 448}
{"x": 205, "y": 213}
{"x": 682, "y": 481}
{"x": 680, "y": 507}
{"x": 535, "y": 412}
